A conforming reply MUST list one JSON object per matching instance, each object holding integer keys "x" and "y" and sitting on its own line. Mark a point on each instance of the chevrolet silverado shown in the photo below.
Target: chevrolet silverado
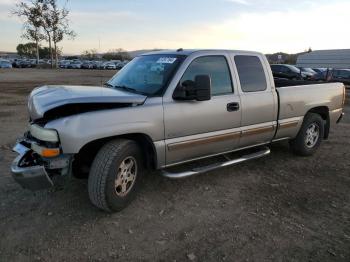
{"x": 164, "y": 109}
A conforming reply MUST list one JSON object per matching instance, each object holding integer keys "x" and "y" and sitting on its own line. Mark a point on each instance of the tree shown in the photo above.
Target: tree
{"x": 60, "y": 25}
{"x": 31, "y": 13}
{"x": 45, "y": 52}
{"x": 45, "y": 20}
{"x": 28, "y": 50}
{"x": 89, "y": 54}
{"x": 117, "y": 54}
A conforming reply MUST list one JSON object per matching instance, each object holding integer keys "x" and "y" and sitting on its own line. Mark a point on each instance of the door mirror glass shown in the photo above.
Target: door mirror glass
{"x": 199, "y": 89}
{"x": 203, "y": 87}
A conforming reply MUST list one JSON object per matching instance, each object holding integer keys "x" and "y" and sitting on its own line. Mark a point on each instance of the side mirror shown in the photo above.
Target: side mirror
{"x": 199, "y": 89}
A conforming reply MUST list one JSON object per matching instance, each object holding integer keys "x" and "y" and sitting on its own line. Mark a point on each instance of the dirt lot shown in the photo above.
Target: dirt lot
{"x": 279, "y": 208}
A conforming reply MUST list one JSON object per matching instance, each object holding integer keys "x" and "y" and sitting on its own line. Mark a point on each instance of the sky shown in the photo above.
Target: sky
{"x": 267, "y": 26}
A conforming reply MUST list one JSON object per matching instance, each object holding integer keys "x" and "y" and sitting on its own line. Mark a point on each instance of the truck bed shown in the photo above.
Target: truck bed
{"x": 295, "y": 101}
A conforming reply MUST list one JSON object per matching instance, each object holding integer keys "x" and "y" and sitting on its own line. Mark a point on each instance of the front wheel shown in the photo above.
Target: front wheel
{"x": 310, "y": 135}
{"x": 115, "y": 175}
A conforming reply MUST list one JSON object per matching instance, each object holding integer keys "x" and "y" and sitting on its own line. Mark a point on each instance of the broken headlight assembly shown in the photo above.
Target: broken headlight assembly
{"x": 43, "y": 134}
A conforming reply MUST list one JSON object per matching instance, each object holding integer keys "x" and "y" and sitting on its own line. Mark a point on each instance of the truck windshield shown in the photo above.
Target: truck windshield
{"x": 148, "y": 75}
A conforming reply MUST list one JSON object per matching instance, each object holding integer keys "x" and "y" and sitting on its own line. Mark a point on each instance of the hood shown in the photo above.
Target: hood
{"x": 46, "y": 98}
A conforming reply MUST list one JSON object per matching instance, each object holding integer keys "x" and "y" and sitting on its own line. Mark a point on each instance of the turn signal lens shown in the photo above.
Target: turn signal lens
{"x": 45, "y": 152}
{"x": 50, "y": 152}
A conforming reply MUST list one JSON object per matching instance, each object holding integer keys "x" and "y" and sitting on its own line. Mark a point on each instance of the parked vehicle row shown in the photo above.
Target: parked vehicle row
{"x": 65, "y": 64}
{"x": 106, "y": 65}
{"x": 291, "y": 72}
{"x": 28, "y": 63}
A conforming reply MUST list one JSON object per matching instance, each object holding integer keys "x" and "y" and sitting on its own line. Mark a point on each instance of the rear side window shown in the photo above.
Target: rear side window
{"x": 285, "y": 69}
{"x": 251, "y": 73}
{"x": 214, "y": 66}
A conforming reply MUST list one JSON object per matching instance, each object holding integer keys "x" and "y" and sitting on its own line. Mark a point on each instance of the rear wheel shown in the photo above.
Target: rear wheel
{"x": 115, "y": 175}
{"x": 310, "y": 135}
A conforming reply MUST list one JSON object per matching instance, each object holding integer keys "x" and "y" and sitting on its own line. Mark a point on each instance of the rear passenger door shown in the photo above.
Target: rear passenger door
{"x": 258, "y": 99}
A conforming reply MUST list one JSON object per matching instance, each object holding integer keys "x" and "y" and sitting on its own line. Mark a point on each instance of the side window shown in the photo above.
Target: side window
{"x": 278, "y": 68}
{"x": 251, "y": 73}
{"x": 214, "y": 66}
{"x": 285, "y": 69}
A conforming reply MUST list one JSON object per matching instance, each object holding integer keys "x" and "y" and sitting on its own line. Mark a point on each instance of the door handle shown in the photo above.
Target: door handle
{"x": 232, "y": 107}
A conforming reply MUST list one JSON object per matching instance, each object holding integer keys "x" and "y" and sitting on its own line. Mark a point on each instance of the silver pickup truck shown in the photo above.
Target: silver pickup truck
{"x": 165, "y": 109}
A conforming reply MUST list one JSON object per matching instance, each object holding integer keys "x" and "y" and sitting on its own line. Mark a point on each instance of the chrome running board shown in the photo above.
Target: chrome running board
{"x": 196, "y": 171}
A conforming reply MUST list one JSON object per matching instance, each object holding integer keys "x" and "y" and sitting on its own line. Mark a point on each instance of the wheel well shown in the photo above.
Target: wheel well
{"x": 83, "y": 160}
{"x": 323, "y": 111}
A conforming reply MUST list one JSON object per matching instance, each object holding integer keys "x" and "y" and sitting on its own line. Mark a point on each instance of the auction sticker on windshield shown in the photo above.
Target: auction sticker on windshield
{"x": 166, "y": 60}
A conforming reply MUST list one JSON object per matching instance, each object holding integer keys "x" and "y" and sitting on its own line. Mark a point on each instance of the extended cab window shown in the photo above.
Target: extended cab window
{"x": 214, "y": 66}
{"x": 251, "y": 73}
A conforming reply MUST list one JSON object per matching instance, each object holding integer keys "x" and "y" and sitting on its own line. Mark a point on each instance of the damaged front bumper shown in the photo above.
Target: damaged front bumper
{"x": 34, "y": 172}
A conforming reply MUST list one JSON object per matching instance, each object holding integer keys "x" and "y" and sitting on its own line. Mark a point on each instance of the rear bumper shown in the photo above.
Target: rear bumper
{"x": 30, "y": 175}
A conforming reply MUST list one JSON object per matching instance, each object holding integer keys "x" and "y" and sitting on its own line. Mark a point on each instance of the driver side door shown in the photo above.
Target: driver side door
{"x": 195, "y": 129}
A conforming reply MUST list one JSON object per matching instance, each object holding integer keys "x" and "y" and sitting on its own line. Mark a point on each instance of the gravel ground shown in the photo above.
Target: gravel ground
{"x": 278, "y": 208}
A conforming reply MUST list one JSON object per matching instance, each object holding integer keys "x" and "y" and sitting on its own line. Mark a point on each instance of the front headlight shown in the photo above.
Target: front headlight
{"x": 43, "y": 134}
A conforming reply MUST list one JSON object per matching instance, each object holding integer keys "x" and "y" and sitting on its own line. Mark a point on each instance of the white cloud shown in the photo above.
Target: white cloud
{"x": 242, "y": 2}
{"x": 320, "y": 28}
{"x": 7, "y": 2}
{"x": 6, "y": 7}
{"x": 102, "y": 17}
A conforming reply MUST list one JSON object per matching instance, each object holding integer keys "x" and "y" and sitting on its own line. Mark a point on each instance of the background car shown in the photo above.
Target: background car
{"x": 25, "y": 64}
{"x": 87, "y": 65}
{"x": 5, "y": 64}
{"x": 308, "y": 73}
{"x": 15, "y": 63}
{"x": 340, "y": 75}
{"x": 97, "y": 65}
{"x": 109, "y": 66}
{"x": 119, "y": 64}
{"x": 75, "y": 65}
{"x": 287, "y": 71}
{"x": 64, "y": 63}
{"x": 33, "y": 63}
{"x": 322, "y": 74}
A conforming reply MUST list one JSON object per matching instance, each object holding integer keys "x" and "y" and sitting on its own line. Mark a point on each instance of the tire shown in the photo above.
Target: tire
{"x": 108, "y": 185}
{"x": 304, "y": 144}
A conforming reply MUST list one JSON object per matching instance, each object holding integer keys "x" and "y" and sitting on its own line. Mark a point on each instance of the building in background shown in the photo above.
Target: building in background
{"x": 338, "y": 58}
{"x": 8, "y": 55}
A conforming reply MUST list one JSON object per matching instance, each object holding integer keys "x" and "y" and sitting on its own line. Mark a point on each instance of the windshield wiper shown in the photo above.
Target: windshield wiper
{"x": 108, "y": 84}
{"x": 130, "y": 89}
{"x": 126, "y": 88}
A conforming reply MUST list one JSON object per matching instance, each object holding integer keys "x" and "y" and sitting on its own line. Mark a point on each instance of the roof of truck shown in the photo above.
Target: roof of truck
{"x": 188, "y": 52}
